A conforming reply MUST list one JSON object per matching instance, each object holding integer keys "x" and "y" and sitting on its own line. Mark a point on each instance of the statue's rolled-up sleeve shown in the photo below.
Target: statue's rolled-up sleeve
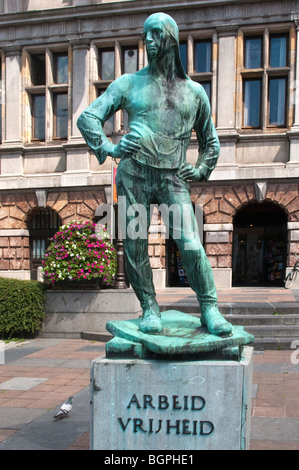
{"x": 208, "y": 142}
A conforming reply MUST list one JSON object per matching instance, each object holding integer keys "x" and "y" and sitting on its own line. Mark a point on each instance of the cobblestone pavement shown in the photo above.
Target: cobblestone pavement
{"x": 38, "y": 375}
{"x": 262, "y": 296}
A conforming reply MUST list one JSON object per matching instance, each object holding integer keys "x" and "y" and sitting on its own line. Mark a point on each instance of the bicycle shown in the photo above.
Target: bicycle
{"x": 292, "y": 276}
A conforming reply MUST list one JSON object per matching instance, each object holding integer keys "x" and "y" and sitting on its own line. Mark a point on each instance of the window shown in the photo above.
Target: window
{"x": 253, "y": 53}
{"x": 129, "y": 59}
{"x": 252, "y": 103}
{"x": 59, "y": 92}
{"x": 106, "y": 74}
{"x": 202, "y": 56}
{"x": 183, "y": 54}
{"x": 61, "y": 68}
{"x": 47, "y": 89}
{"x": 265, "y": 79}
{"x": 38, "y": 117}
{"x": 277, "y": 101}
{"x": 107, "y": 64}
{"x": 278, "y": 51}
{"x": 60, "y": 115}
{"x": 207, "y": 88}
{"x": 38, "y": 69}
{"x": 129, "y": 65}
{"x": 202, "y": 64}
{"x": 113, "y": 61}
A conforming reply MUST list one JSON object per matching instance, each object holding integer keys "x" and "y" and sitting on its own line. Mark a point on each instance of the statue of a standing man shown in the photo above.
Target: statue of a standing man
{"x": 163, "y": 107}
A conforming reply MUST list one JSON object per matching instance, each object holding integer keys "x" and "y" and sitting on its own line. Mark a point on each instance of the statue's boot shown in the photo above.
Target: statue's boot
{"x": 151, "y": 318}
{"x": 213, "y": 320}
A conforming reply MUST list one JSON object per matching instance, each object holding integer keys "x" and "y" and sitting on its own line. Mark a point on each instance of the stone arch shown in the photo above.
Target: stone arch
{"x": 14, "y": 209}
{"x": 285, "y": 196}
{"x": 76, "y": 205}
{"x": 220, "y": 203}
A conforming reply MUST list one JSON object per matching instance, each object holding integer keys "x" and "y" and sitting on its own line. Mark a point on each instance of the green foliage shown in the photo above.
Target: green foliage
{"x": 22, "y": 307}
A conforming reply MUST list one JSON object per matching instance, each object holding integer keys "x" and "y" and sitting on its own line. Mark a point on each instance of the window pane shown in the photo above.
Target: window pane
{"x": 183, "y": 53}
{"x": 45, "y": 219}
{"x": 252, "y": 103}
{"x": 38, "y": 249}
{"x": 38, "y": 114}
{"x": 277, "y": 98}
{"x": 202, "y": 56}
{"x": 38, "y": 69}
{"x": 61, "y": 66}
{"x": 107, "y": 71}
{"x": 130, "y": 63}
{"x": 278, "y": 51}
{"x": 207, "y": 88}
{"x": 61, "y": 109}
{"x": 253, "y": 53}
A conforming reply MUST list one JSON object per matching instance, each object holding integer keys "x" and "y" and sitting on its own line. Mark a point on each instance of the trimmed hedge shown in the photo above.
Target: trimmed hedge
{"x": 22, "y": 308}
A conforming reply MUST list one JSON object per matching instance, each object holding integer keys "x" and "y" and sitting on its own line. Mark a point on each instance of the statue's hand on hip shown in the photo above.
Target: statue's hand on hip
{"x": 187, "y": 172}
{"x": 126, "y": 147}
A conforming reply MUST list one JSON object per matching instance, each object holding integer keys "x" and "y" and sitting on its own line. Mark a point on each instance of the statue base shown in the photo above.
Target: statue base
{"x": 150, "y": 404}
{"x": 182, "y": 337}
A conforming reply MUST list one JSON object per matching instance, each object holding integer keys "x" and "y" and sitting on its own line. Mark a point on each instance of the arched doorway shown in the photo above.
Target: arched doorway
{"x": 42, "y": 225}
{"x": 259, "y": 246}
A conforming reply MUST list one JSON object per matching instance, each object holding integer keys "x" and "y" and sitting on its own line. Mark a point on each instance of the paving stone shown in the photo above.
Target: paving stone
{"x": 18, "y": 418}
{"x": 275, "y": 429}
{"x": 21, "y": 383}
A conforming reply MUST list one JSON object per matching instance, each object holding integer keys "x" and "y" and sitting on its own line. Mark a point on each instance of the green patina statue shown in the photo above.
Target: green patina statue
{"x": 163, "y": 106}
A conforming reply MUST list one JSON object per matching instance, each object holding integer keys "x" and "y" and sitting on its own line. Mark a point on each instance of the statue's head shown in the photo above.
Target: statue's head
{"x": 161, "y": 34}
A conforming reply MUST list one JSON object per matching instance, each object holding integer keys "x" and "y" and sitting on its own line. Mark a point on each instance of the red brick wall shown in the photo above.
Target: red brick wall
{"x": 14, "y": 253}
{"x": 221, "y": 203}
{"x": 16, "y": 211}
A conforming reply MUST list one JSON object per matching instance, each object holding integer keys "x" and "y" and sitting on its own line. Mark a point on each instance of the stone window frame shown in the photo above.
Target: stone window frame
{"x": 50, "y": 89}
{"x": 264, "y": 74}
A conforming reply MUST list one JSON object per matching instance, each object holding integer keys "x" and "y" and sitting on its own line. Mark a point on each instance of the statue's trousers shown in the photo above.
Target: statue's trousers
{"x": 139, "y": 188}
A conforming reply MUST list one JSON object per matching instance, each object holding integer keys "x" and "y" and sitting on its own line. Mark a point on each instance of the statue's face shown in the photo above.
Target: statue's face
{"x": 157, "y": 40}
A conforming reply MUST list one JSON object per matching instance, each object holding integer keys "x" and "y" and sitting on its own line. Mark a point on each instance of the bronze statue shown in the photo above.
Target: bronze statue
{"x": 163, "y": 106}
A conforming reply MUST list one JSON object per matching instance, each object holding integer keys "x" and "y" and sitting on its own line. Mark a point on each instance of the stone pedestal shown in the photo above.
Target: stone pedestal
{"x": 150, "y": 404}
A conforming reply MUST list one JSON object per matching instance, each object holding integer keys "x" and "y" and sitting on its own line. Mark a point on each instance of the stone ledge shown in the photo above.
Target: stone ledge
{"x": 73, "y": 312}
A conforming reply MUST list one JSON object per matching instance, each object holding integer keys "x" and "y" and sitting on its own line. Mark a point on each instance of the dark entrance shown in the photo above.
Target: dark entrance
{"x": 175, "y": 271}
{"x": 259, "y": 246}
{"x": 176, "y": 274}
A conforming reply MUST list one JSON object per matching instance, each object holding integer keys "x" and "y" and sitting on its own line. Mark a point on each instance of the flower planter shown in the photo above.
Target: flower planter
{"x": 95, "y": 283}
